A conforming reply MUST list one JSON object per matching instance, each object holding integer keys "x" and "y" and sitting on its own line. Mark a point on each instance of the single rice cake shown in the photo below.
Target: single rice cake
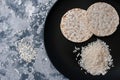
{"x": 103, "y": 19}
{"x": 74, "y": 25}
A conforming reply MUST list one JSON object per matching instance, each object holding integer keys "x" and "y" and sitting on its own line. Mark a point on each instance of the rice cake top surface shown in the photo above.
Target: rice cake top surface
{"x": 74, "y": 25}
{"x": 103, "y": 19}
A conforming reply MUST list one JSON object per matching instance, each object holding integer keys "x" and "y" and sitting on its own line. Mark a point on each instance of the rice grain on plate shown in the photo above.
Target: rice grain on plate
{"x": 74, "y": 25}
{"x": 96, "y": 58}
{"x": 103, "y": 19}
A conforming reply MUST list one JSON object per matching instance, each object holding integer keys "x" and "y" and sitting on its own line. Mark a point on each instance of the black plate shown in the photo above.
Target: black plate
{"x": 60, "y": 50}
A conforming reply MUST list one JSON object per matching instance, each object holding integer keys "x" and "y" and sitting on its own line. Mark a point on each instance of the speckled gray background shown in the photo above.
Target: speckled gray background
{"x": 24, "y": 19}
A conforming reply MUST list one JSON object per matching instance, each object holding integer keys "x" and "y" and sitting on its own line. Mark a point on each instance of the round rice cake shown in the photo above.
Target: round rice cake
{"x": 103, "y": 19}
{"x": 74, "y": 25}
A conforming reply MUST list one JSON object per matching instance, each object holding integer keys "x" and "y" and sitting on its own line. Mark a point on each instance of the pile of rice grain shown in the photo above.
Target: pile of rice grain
{"x": 96, "y": 58}
{"x": 26, "y": 50}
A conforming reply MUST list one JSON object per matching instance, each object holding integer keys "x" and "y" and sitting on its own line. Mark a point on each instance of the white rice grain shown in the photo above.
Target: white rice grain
{"x": 96, "y": 58}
